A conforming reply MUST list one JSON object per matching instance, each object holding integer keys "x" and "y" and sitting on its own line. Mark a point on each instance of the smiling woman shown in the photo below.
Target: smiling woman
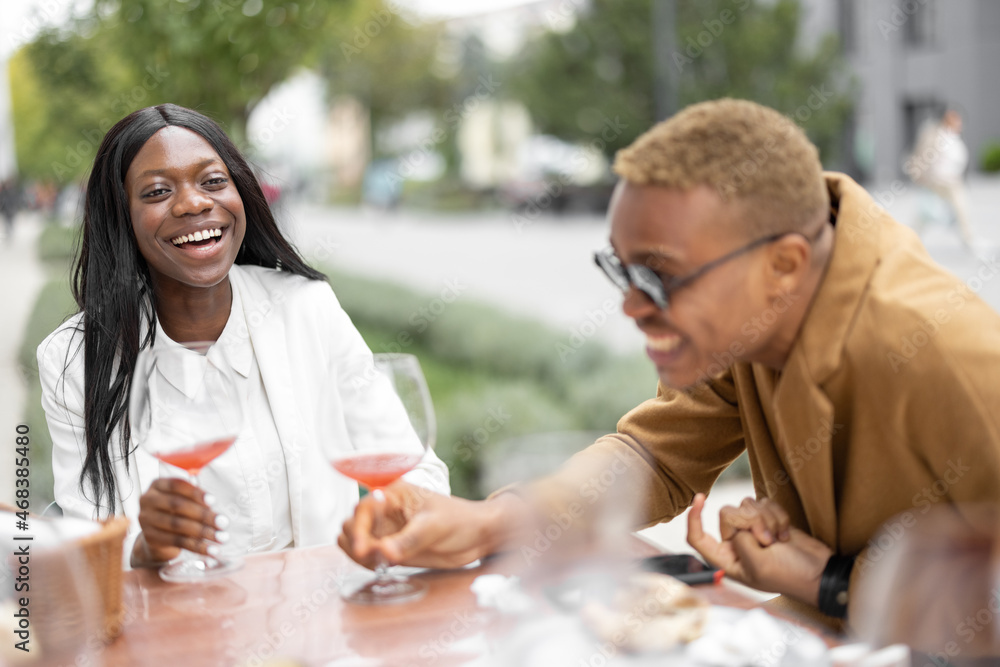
{"x": 189, "y": 223}
{"x": 179, "y": 245}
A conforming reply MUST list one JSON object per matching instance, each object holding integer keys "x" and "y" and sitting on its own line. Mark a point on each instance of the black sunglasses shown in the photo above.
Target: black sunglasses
{"x": 659, "y": 290}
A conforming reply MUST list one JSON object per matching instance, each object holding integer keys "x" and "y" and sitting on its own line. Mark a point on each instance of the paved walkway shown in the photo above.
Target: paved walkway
{"x": 21, "y": 277}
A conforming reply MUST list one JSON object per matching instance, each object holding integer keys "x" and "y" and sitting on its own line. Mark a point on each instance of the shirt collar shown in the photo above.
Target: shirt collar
{"x": 234, "y": 342}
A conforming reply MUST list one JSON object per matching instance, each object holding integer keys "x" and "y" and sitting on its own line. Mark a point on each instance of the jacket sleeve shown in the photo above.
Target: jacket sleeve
{"x": 61, "y": 375}
{"x": 665, "y": 451}
{"x": 60, "y": 372}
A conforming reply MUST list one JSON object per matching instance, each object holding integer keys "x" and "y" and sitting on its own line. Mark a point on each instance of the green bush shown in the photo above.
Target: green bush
{"x": 603, "y": 395}
{"x": 476, "y": 409}
{"x": 990, "y": 158}
{"x": 462, "y": 332}
{"x": 57, "y": 244}
{"x": 476, "y": 422}
{"x": 54, "y": 304}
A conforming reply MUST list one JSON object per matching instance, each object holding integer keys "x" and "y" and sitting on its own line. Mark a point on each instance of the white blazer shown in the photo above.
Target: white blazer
{"x": 313, "y": 365}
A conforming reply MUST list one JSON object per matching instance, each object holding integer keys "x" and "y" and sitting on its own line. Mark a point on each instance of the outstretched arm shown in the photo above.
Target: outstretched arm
{"x": 422, "y": 528}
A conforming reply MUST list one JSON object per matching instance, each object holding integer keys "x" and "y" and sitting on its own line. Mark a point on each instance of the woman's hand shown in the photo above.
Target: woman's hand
{"x": 750, "y": 554}
{"x": 175, "y": 515}
{"x": 421, "y": 528}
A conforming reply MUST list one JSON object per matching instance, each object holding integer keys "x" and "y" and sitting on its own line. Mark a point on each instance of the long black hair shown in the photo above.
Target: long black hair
{"x": 112, "y": 286}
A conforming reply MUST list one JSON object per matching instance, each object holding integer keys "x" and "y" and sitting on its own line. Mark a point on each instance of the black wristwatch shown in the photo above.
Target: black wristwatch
{"x": 833, "y": 585}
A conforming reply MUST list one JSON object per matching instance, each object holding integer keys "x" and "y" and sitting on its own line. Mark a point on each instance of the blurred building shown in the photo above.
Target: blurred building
{"x": 495, "y": 136}
{"x": 491, "y": 140}
{"x": 911, "y": 59}
{"x": 303, "y": 137}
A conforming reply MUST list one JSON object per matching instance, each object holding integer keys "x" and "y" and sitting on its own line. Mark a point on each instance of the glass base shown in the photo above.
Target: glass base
{"x": 188, "y": 570}
{"x": 389, "y": 591}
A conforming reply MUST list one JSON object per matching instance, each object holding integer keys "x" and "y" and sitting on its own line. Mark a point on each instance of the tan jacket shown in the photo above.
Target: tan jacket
{"x": 889, "y": 401}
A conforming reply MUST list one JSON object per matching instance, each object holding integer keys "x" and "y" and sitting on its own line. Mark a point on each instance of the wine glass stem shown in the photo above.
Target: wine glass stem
{"x": 381, "y": 565}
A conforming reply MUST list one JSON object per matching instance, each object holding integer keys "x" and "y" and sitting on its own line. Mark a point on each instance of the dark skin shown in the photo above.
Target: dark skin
{"x": 674, "y": 232}
{"x": 177, "y": 185}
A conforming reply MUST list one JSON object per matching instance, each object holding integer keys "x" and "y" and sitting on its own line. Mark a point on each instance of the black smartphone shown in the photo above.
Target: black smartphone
{"x": 685, "y": 567}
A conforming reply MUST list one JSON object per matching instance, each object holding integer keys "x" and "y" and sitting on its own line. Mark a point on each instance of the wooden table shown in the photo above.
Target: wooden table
{"x": 287, "y": 604}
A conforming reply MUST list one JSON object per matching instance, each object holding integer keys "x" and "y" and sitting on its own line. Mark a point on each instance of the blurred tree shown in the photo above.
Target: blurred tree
{"x": 387, "y": 61}
{"x": 218, "y": 56}
{"x": 60, "y": 112}
{"x": 595, "y": 81}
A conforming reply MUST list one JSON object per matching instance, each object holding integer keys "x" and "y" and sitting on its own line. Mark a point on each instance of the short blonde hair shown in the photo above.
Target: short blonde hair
{"x": 747, "y": 153}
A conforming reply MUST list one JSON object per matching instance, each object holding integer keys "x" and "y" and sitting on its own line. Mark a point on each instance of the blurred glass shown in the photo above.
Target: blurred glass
{"x": 932, "y": 581}
{"x": 61, "y": 622}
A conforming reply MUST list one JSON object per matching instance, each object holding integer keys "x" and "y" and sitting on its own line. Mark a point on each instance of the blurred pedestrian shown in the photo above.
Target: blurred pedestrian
{"x": 938, "y": 163}
{"x": 10, "y": 202}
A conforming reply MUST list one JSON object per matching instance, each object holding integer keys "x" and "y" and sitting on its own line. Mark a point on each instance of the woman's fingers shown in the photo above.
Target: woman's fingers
{"x": 181, "y": 526}
{"x": 161, "y": 541}
{"x": 174, "y": 514}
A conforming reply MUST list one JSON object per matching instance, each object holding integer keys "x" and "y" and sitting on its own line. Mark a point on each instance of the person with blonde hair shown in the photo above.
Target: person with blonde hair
{"x": 788, "y": 316}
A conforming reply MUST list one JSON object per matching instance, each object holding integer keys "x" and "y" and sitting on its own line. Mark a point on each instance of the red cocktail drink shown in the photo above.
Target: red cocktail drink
{"x": 377, "y": 470}
{"x": 194, "y": 459}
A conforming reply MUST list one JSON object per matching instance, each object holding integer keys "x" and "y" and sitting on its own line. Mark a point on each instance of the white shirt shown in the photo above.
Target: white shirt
{"x": 250, "y": 478}
{"x": 952, "y": 157}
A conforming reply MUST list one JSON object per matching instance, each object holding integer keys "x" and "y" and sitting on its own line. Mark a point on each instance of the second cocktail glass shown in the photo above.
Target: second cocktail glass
{"x": 386, "y": 447}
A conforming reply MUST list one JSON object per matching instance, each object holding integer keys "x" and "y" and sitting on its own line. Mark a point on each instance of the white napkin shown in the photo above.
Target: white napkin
{"x": 734, "y": 638}
{"x": 495, "y": 591}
